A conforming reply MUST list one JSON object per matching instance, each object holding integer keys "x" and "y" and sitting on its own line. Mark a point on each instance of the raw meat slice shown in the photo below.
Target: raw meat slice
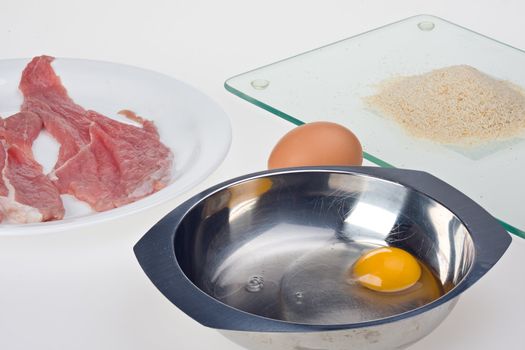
{"x": 121, "y": 164}
{"x": 21, "y": 129}
{"x": 26, "y": 194}
{"x": 3, "y": 188}
{"x": 101, "y": 161}
{"x": 44, "y": 95}
{"x": 31, "y": 187}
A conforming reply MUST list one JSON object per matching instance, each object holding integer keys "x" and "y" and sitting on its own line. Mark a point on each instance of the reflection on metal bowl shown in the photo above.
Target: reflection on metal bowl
{"x": 265, "y": 257}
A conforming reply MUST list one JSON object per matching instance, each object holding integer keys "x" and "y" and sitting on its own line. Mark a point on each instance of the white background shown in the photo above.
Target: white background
{"x": 83, "y": 289}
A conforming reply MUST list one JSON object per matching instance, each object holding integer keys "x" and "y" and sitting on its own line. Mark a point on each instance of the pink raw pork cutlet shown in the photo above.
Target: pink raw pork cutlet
{"x": 101, "y": 161}
{"x": 45, "y": 96}
{"x": 26, "y": 194}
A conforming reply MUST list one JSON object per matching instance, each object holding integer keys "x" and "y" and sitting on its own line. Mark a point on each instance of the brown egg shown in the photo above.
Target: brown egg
{"x": 317, "y": 143}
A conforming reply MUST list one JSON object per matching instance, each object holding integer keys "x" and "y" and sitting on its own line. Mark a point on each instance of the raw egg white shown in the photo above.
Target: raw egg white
{"x": 387, "y": 269}
{"x": 317, "y": 143}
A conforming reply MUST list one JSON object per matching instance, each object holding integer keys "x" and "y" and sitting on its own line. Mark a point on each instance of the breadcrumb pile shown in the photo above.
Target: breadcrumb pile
{"x": 453, "y": 105}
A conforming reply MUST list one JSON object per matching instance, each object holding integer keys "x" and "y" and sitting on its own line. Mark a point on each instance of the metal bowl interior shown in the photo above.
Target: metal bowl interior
{"x": 281, "y": 244}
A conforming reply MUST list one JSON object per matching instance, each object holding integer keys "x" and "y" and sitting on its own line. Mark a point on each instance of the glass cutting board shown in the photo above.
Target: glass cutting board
{"x": 329, "y": 83}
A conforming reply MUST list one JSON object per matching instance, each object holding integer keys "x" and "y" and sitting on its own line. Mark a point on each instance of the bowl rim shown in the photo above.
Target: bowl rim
{"x": 155, "y": 252}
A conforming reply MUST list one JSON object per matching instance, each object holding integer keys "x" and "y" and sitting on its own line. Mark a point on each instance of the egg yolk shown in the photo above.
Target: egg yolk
{"x": 387, "y": 269}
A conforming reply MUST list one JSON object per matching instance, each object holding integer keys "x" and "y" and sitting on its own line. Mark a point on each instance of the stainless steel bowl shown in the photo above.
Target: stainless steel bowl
{"x": 264, "y": 258}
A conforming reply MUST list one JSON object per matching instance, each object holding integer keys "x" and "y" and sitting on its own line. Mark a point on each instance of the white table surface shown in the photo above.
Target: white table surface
{"x": 84, "y": 289}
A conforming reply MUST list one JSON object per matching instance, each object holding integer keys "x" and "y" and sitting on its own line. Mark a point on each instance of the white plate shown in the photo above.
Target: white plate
{"x": 193, "y": 126}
